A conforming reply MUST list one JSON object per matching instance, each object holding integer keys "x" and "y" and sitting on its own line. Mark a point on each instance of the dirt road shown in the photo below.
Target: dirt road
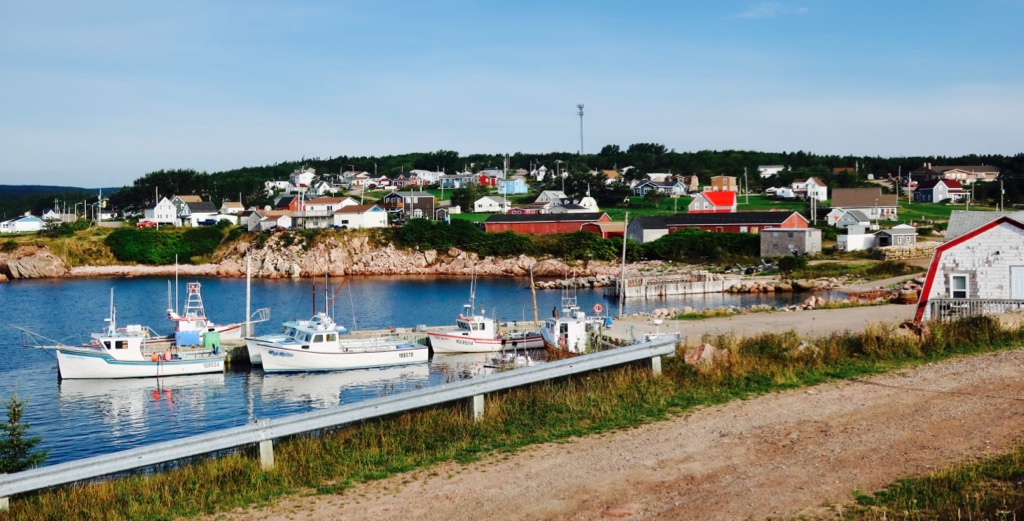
{"x": 779, "y": 455}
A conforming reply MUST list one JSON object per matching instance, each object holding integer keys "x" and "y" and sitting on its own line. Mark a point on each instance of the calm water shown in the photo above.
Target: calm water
{"x": 83, "y": 418}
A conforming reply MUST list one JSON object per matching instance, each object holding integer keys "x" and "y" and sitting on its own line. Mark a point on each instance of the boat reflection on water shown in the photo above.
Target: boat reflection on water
{"x": 331, "y": 388}
{"x": 131, "y": 407}
{"x": 463, "y": 366}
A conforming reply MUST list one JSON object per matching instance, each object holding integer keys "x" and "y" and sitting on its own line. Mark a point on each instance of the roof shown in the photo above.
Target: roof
{"x": 544, "y": 217}
{"x": 900, "y": 230}
{"x": 963, "y": 221}
{"x": 232, "y": 204}
{"x": 862, "y": 197}
{"x": 410, "y": 193}
{"x": 735, "y": 218}
{"x": 610, "y": 226}
{"x": 202, "y": 207}
{"x": 932, "y": 183}
{"x": 356, "y": 208}
{"x": 857, "y": 214}
{"x": 189, "y": 198}
{"x": 324, "y": 200}
{"x": 720, "y": 198}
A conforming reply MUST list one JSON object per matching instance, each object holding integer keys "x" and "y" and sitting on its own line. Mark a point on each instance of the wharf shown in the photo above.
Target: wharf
{"x": 657, "y": 286}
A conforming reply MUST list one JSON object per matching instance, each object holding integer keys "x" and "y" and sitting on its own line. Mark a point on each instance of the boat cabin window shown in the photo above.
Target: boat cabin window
{"x": 120, "y": 344}
{"x": 462, "y": 324}
{"x": 332, "y": 337}
{"x": 318, "y": 338}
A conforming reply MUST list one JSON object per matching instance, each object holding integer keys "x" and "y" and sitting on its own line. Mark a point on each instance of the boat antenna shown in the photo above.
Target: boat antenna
{"x": 175, "y": 282}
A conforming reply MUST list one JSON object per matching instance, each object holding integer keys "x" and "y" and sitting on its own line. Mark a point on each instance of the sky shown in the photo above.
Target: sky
{"x": 100, "y": 93}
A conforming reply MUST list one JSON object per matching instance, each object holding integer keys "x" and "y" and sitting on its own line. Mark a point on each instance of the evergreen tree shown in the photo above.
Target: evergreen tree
{"x": 16, "y": 452}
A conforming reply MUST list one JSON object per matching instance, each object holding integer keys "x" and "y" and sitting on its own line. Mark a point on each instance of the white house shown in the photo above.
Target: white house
{"x": 856, "y": 238}
{"x": 357, "y": 216}
{"x": 812, "y": 188}
{"x": 985, "y": 264}
{"x": 263, "y": 220}
{"x": 489, "y": 204}
{"x": 163, "y": 212}
{"x": 231, "y": 208}
{"x": 24, "y": 224}
{"x": 766, "y": 171}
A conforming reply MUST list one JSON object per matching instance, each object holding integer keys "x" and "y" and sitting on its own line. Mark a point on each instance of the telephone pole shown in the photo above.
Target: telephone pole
{"x": 580, "y": 106}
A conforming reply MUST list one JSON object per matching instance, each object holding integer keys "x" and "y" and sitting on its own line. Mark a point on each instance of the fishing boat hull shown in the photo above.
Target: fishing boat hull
{"x": 88, "y": 364}
{"x": 349, "y": 354}
{"x": 456, "y": 341}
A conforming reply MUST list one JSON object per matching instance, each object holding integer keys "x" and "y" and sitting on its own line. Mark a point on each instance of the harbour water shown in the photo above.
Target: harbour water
{"x": 77, "y": 419}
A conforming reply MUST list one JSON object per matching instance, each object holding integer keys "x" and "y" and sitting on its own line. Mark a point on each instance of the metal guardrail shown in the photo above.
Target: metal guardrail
{"x": 263, "y": 432}
{"x": 954, "y": 308}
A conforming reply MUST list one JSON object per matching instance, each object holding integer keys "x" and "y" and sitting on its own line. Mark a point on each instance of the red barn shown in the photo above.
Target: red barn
{"x": 543, "y": 224}
{"x": 606, "y": 230}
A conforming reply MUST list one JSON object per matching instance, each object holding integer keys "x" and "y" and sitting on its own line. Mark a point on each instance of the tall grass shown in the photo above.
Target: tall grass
{"x": 334, "y": 460}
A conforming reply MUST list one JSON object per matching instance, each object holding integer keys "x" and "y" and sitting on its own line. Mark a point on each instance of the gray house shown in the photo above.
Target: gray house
{"x": 900, "y": 235}
{"x": 782, "y": 242}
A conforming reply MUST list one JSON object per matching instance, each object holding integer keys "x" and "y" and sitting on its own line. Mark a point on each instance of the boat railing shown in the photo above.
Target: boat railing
{"x": 264, "y": 432}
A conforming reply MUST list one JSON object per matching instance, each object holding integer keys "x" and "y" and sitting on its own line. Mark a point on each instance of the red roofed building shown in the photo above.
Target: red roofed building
{"x": 713, "y": 202}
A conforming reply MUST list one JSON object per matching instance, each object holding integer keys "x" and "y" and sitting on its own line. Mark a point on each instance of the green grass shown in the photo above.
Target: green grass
{"x": 556, "y": 410}
{"x": 870, "y": 270}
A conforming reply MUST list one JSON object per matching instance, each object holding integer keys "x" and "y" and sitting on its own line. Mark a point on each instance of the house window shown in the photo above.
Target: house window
{"x": 958, "y": 286}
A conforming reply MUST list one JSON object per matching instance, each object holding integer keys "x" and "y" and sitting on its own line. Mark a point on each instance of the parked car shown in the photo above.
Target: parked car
{"x": 208, "y": 222}
{"x": 145, "y": 224}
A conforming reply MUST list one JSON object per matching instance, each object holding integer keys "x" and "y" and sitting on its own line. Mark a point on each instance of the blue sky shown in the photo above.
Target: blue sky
{"x": 100, "y": 93}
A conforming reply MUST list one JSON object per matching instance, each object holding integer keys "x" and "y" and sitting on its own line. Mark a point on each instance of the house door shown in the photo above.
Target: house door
{"x": 1017, "y": 282}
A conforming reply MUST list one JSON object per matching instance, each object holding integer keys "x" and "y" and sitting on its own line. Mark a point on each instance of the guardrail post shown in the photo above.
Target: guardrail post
{"x": 476, "y": 407}
{"x": 656, "y": 365}
{"x": 267, "y": 454}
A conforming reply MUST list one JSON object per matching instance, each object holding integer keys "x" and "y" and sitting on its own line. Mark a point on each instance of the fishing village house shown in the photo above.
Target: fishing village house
{"x": 647, "y": 229}
{"x": 871, "y": 201}
{"x": 812, "y": 188}
{"x": 978, "y": 272}
{"x": 232, "y": 208}
{"x": 23, "y": 224}
{"x": 857, "y": 237}
{"x": 899, "y": 235}
{"x": 191, "y": 213}
{"x": 713, "y": 202}
{"x": 318, "y": 212}
{"x": 355, "y": 216}
{"x": 783, "y": 242}
{"x": 937, "y": 190}
{"x": 964, "y": 174}
{"x": 163, "y": 212}
{"x": 723, "y": 183}
{"x": 412, "y": 204}
{"x": 542, "y": 223}
{"x": 670, "y": 186}
{"x": 512, "y": 186}
{"x": 267, "y": 220}
{"x": 490, "y": 204}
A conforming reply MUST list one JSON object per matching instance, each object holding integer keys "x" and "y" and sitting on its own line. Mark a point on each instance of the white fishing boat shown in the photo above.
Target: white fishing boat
{"x": 121, "y": 352}
{"x": 288, "y": 330}
{"x": 476, "y": 333}
{"x": 316, "y": 346}
{"x": 568, "y": 332}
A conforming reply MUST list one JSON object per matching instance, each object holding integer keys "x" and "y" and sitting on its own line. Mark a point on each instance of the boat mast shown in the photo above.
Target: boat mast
{"x": 533, "y": 292}
{"x": 622, "y": 278}
{"x": 248, "y": 295}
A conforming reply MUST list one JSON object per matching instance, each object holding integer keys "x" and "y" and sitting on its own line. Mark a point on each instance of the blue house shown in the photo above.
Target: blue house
{"x": 512, "y": 187}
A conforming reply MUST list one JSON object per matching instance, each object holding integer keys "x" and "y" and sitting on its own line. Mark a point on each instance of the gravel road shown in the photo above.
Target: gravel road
{"x": 780, "y": 455}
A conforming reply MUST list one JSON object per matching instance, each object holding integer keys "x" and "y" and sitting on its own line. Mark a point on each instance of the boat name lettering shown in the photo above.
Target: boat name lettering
{"x": 210, "y": 365}
{"x": 464, "y": 342}
{"x": 279, "y": 353}
{"x": 405, "y": 355}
